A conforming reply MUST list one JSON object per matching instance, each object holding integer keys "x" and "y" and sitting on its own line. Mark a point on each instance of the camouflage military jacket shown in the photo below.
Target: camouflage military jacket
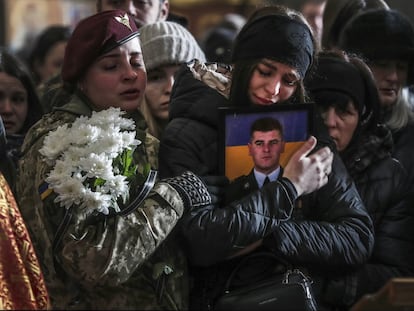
{"x": 93, "y": 261}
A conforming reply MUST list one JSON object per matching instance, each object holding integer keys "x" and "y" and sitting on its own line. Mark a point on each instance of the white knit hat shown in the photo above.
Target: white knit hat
{"x": 165, "y": 43}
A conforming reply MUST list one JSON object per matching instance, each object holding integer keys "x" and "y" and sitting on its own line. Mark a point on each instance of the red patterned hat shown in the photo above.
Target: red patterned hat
{"x": 94, "y": 36}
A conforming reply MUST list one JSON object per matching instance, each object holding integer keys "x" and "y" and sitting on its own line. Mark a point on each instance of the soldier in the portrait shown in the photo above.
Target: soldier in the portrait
{"x": 266, "y": 144}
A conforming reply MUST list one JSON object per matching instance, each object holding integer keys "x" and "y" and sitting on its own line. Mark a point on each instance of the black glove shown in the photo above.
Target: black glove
{"x": 191, "y": 188}
{"x": 216, "y": 186}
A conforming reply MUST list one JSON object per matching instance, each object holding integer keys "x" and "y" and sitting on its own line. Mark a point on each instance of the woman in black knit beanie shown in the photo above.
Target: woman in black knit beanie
{"x": 349, "y": 105}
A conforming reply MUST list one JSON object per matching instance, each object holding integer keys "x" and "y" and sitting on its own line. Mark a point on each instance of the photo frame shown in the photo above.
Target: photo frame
{"x": 234, "y": 159}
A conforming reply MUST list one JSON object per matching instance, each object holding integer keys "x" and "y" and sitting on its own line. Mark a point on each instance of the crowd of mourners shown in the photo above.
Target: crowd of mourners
{"x": 113, "y": 194}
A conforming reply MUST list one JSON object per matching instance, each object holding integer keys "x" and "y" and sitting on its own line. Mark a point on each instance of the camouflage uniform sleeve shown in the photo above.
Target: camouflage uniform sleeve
{"x": 152, "y": 147}
{"x": 107, "y": 250}
{"x": 95, "y": 249}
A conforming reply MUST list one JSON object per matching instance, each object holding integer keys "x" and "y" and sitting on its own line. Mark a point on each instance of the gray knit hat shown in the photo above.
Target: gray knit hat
{"x": 165, "y": 43}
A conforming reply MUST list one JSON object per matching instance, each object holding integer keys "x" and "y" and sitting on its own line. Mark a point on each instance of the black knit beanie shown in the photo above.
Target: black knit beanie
{"x": 334, "y": 75}
{"x": 349, "y": 81}
{"x": 276, "y": 37}
{"x": 335, "y": 82}
{"x": 380, "y": 34}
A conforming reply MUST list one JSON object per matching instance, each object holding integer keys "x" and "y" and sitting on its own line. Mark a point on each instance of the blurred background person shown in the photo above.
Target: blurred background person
{"x": 144, "y": 11}
{"x": 46, "y": 57}
{"x": 312, "y": 10}
{"x": 165, "y": 46}
{"x": 338, "y": 12}
{"x": 19, "y": 104}
{"x": 385, "y": 40}
{"x": 217, "y": 41}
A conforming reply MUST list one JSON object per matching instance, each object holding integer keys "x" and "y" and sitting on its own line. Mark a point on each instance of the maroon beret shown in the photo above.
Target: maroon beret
{"x": 94, "y": 36}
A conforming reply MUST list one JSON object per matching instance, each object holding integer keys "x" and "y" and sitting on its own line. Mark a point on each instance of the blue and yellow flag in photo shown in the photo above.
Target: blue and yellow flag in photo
{"x": 295, "y": 123}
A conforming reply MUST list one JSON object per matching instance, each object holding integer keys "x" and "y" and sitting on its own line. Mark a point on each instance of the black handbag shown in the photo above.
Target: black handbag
{"x": 284, "y": 288}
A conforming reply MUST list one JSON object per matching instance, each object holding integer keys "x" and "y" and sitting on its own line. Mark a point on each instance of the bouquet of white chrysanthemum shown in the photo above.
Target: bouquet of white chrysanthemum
{"x": 92, "y": 160}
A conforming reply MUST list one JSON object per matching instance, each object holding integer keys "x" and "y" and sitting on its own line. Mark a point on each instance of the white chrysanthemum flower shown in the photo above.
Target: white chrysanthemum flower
{"x": 106, "y": 118}
{"x": 74, "y": 154}
{"x": 126, "y": 124}
{"x": 118, "y": 186}
{"x": 111, "y": 144}
{"x": 82, "y": 156}
{"x": 61, "y": 171}
{"x": 85, "y": 134}
{"x": 70, "y": 191}
{"x": 97, "y": 165}
{"x": 128, "y": 140}
{"x": 97, "y": 201}
{"x": 55, "y": 143}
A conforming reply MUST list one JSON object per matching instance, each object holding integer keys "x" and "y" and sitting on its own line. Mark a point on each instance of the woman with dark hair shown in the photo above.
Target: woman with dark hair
{"x": 272, "y": 54}
{"x": 19, "y": 104}
{"x": 350, "y": 107}
{"x": 46, "y": 57}
{"x": 246, "y": 59}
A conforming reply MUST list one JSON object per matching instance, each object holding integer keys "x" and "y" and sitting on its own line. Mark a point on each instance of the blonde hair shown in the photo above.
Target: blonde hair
{"x": 155, "y": 126}
{"x": 401, "y": 113}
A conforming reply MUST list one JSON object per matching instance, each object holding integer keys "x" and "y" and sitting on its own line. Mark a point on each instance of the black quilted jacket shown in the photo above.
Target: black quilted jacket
{"x": 388, "y": 196}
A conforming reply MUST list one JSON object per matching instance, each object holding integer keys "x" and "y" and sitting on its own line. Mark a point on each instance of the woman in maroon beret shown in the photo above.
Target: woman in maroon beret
{"x": 88, "y": 189}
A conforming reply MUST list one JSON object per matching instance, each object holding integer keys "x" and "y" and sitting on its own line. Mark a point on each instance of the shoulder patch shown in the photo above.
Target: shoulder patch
{"x": 44, "y": 190}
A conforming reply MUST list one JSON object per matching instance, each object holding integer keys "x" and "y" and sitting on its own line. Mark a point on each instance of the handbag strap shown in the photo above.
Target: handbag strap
{"x": 256, "y": 255}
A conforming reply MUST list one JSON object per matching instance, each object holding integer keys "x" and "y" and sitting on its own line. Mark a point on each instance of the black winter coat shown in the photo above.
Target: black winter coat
{"x": 404, "y": 148}
{"x": 388, "y": 196}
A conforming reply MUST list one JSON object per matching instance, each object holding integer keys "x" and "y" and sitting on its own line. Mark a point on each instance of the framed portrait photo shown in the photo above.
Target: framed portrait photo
{"x": 235, "y": 124}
